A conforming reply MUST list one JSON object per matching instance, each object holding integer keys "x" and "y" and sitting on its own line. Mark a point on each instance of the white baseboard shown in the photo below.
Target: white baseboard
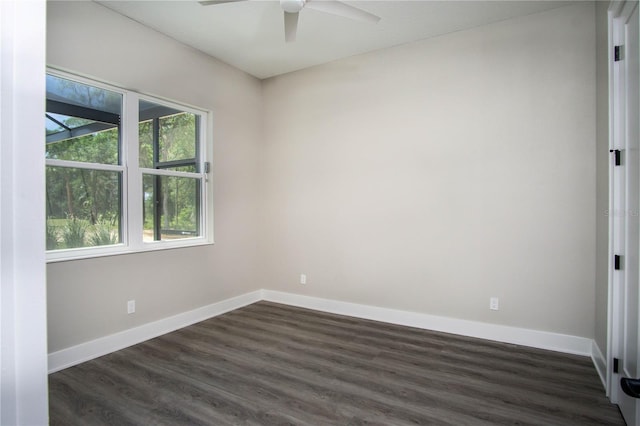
{"x": 104, "y": 345}
{"x": 520, "y": 336}
{"x": 600, "y": 363}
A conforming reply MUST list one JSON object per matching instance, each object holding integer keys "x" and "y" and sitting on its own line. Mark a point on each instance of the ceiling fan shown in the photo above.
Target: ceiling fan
{"x": 292, "y": 9}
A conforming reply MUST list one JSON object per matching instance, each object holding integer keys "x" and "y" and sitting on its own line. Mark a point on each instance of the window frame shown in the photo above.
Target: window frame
{"x": 131, "y": 208}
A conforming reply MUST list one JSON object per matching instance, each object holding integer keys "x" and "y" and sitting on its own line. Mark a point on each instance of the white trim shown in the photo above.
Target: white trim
{"x": 600, "y": 363}
{"x": 132, "y": 219}
{"x": 95, "y": 348}
{"x": 84, "y": 165}
{"x": 501, "y": 333}
{"x": 533, "y": 338}
{"x": 63, "y": 255}
{"x": 171, "y": 173}
{"x": 23, "y": 296}
{"x": 618, "y": 13}
{"x": 611, "y": 321}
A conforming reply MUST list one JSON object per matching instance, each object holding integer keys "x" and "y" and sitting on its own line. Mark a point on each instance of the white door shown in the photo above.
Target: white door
{"x": 626, "y": 208}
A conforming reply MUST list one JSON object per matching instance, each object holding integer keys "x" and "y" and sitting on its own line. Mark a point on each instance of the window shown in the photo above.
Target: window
{"x": 125, "y": 172}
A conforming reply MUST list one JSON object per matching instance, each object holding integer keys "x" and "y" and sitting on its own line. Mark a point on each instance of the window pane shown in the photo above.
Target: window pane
{"x": 83, "y": 95}
{"x": 168, "y": 136}
{"x": 189, "y": 169}
{"x": 83, "y": 207}
{"x": 171, "y": 207}
{"x": 145, "y": 136}
{"x": 82, "y": 122}
{"x": 69, "y": 122}
{"x": 100, "y": 147}
{"x": 177, "y": 137}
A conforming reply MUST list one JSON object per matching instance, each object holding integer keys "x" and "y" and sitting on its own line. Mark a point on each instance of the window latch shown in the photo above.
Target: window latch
{"x": 207, "y": 169}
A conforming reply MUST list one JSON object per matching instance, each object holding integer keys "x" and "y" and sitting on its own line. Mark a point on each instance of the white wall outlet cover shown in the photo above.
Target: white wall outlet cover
{"x": 494, "y": 304}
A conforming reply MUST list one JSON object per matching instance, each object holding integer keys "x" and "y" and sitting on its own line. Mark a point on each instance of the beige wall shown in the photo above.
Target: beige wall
{"x": 431, "y": 176}
{"x": 87, "y": 299}
{"x": 426, "y": 177}
{"x": 602, "y": 176}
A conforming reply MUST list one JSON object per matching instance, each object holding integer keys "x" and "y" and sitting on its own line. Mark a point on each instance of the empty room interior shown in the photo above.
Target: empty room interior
{"x": 412, "y": 233}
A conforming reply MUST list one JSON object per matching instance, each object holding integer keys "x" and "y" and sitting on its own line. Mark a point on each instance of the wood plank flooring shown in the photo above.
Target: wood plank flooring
{"x": 271, "y": 364}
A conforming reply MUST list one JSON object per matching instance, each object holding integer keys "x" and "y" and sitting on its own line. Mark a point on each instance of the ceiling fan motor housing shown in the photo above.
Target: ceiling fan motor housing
{"x": 292, "y": 6}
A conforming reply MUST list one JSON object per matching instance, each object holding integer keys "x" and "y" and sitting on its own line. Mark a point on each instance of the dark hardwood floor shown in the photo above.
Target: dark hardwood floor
{"x": 270, "y": 364}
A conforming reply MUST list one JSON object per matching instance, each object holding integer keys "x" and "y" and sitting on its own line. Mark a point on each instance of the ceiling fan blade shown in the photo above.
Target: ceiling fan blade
{"x": 212, "y": 2}
{"x": 341, "y": 9}
{"x": 290, "y": 26}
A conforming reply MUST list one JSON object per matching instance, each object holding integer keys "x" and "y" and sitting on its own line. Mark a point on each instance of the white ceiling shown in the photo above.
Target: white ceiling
{"x": 249, "y": 34}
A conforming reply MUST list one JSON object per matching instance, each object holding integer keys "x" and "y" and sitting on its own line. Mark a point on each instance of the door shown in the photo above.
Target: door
{"x": 626, "y": 208}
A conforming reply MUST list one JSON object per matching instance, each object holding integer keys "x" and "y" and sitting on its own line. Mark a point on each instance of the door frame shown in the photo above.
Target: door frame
{"x": 617, "y": 13}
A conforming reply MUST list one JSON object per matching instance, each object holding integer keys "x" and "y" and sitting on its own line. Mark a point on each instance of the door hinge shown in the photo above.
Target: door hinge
{"x": 617, "y": 53}
{"x": 616, "y": 262}
{"x": 617, "y": 154}
{"x": 616, "y": 362}
{"x": 207, "y": 167}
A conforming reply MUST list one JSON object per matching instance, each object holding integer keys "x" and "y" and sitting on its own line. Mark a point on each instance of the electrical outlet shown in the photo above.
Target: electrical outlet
{"x": 303, "y": 278}
{"x": 131, "y": 306}
{"x": 494, "y": 304}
